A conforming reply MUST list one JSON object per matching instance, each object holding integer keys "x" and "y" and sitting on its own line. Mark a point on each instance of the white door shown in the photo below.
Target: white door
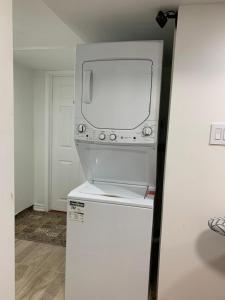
{"x": 66, "y": 168}
{"x": 120, "y": 88}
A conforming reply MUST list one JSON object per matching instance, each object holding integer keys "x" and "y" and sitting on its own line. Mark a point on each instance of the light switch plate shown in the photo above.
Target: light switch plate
{"x": 217, "y": 134}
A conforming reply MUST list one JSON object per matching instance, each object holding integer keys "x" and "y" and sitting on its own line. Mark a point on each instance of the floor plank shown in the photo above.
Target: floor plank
{"x": 40, "y": 271}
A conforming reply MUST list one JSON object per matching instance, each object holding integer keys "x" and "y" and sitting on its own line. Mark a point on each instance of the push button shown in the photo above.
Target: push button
{"x": 101, "y": 136}
{"x": 112, "y": 137}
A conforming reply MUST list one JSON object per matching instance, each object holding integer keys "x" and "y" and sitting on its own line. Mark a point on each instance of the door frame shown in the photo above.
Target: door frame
{"x": 49, "y": 76}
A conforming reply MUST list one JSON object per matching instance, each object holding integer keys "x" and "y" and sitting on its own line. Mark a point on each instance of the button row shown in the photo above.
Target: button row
{"x": 147, "y": 131}
{"x": 82, "y": 128}
{"x": 102, "y": 136}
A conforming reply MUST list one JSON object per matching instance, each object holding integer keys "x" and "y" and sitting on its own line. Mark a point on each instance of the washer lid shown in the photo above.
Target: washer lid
{"x": 118, "y": 88}
{"x": 89, "y": 192}
{"x": 114, "y": 190}
{"x": 131, "y": 165}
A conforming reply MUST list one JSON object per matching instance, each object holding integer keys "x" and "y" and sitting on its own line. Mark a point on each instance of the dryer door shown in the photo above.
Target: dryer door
{"x": 116, "y": 94}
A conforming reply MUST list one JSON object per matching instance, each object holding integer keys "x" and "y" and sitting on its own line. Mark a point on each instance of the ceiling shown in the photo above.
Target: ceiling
{"x": 115, "y": 20}
{"x": 54, "y": 59}
{"x": 46, "y": 32}
{"x": 104, "y": 20}
{"x": 41, "y": 40}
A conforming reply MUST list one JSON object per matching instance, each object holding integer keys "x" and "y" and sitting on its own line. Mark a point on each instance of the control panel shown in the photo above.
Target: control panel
{"x": 145, "y": 134}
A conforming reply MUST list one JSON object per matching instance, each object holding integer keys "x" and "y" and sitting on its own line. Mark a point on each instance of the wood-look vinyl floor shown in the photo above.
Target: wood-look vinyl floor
{"x": 40, "y": 271}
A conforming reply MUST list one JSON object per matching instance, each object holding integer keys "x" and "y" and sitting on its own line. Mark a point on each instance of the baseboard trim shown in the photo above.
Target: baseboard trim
{"x": 19, "y": 211}
{"x": 40, "y": 207}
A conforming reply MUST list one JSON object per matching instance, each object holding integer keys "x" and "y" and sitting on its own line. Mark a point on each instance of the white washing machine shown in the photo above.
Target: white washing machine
{"x": 109, "y": 220}
{"x": 109, "y": 244}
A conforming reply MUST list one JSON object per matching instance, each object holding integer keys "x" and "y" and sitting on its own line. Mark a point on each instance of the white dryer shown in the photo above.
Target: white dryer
{"x": 109, "y": 221}
{"x": 117, "y": 92}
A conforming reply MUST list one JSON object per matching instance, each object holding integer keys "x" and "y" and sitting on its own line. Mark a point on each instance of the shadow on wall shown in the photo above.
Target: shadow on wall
{"x": 205, "y": 280}
{"x": 211, "y": 250}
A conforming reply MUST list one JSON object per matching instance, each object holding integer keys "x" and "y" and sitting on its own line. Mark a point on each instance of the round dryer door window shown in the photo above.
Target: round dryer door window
{"x": 116, "y": 94}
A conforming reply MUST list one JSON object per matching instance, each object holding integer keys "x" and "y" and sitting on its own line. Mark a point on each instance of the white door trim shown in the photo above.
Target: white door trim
{"x": 48, "y": 135}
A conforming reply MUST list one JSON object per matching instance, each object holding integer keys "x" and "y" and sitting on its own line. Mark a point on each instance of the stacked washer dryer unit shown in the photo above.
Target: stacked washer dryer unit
{"x": 110, "y": 216}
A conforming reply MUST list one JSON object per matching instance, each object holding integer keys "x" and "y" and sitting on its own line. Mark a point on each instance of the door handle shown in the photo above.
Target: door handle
{"x": 87, "y": 86}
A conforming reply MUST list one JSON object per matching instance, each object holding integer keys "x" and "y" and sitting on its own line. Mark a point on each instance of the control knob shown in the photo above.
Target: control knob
{"x": 147, "y": 131}
{"x": 101, "y": 136}
{"x": 112, "y": 136}
{"x": 81, "y": 128}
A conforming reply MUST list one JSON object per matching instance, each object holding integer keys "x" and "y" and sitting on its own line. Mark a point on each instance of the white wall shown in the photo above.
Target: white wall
{"x": 192, "y": 264}
{"x": 7, "y": 265}
{"x": 23, "y": 128}
{"x": 40, "y": 141}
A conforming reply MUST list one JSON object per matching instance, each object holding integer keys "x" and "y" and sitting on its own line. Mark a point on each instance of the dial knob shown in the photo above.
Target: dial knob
{"x": 112, "y": 137}
{"x": 81, "y": 128}
{"x": 147, "y": 131}
{"x": 101, "y": 136}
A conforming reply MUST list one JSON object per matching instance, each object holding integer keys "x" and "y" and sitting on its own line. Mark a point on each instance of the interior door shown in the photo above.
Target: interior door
{"x": 66, "y": 168}
{"x": 120, "y": 89}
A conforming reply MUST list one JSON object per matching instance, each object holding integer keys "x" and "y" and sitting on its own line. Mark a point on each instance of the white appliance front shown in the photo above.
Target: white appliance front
{"x": 126, "y": 92}
{"x": 116, "y": 120}
{"x": 117, "y": 92}
{"x": 108, "y": 252}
